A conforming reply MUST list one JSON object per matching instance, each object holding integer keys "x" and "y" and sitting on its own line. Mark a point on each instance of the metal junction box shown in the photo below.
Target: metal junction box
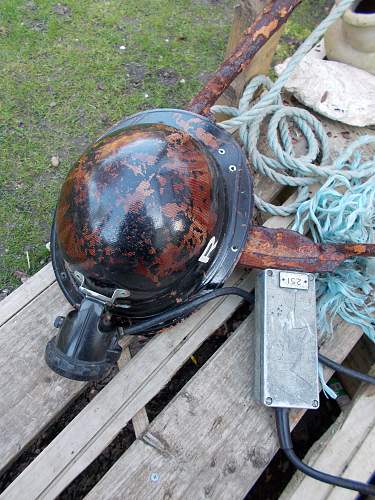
{"x": 286, "y": 343}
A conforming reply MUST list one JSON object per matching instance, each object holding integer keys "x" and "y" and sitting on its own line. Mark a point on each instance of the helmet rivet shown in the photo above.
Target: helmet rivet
{"x": 232, "y": 168}
{"x": 221, "y": 151}
{"x": 234, "y": 248}
{"x": 58, "y": 321}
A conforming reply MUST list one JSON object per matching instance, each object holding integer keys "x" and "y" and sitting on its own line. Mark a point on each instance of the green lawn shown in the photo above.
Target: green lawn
{"x": 68, "y": 71}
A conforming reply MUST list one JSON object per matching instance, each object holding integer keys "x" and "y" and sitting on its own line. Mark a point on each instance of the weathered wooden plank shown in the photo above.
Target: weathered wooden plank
{"x": 27, "y": 292}
{"x": 103, "y": 418}
{"x": 361, "y": 358}
{"x": 337, "y": 449}
{"x": 31, "y": 394}
{"x": 213, "y": 440}
{"x": 361, "y": 468}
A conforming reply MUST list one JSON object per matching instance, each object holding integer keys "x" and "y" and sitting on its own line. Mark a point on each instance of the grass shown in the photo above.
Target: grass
{"x": 64, "y": 80}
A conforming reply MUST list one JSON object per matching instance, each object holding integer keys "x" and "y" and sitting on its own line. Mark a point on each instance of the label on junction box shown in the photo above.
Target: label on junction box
{"x": 298, "y": 281}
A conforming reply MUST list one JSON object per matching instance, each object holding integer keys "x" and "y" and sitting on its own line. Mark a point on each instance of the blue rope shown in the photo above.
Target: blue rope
{"x": 342, "y": 209}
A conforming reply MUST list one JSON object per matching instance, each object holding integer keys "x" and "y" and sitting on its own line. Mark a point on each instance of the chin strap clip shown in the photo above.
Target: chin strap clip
{"x": 119, "y": 293}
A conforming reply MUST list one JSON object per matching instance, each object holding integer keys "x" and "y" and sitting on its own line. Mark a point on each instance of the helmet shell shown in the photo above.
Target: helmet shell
{"x": 160, "y": 206}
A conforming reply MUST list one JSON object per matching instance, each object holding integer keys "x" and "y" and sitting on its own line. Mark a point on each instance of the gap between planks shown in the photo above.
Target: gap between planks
{"x": 26, "y": 293}
{"x": 140, "y": 420}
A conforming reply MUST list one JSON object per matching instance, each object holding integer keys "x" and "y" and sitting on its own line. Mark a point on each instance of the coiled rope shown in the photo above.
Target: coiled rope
{"x": 284, "y": 167}
{"x": 342, "y": 209}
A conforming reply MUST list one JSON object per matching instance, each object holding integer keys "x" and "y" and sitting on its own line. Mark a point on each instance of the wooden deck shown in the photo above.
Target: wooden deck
{"x": 211, "y": 441}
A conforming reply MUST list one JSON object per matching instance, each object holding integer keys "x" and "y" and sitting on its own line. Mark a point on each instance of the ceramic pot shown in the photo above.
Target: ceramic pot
{"x": 351, "y": 39}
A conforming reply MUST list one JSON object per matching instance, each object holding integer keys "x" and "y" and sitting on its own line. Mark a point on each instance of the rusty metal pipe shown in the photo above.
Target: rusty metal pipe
{"x": 254, "y": 38}
{"x": 286, "y": 249}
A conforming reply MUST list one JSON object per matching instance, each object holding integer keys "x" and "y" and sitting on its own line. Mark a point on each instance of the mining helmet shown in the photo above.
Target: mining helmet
{"x": 155, "y": 212}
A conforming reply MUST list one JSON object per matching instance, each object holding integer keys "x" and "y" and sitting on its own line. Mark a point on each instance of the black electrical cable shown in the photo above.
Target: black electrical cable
{"x": 286, "y": 444}
{"x": 368, "y": 379}
{"x": 185, "y": 309}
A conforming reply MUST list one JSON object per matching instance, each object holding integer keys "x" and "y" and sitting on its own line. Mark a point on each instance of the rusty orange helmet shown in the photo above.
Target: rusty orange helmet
{"x": 158, "y": 207}
{"x": 156, "y": 211}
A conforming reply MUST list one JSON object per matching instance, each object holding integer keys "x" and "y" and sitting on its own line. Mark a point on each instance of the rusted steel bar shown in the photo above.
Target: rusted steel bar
{"x": 254, "y": 38}
{"x": 286, "y": 249}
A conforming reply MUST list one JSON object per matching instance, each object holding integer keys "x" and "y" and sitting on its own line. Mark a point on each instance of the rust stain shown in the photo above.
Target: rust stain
{"x": 207, "y": 138}
{"x": 172, "y": 209}
{"x": 178, "y": 138}
{"x": 283, "y": 12}
{"x": 134, "y": 200}
{"x": 185, "y": 124}
{"x": 267, "y": 29}
{"x": 359, "y": 249}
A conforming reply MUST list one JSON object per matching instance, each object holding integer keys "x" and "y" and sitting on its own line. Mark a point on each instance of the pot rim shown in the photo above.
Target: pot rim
{"x": 358, "y": 19}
